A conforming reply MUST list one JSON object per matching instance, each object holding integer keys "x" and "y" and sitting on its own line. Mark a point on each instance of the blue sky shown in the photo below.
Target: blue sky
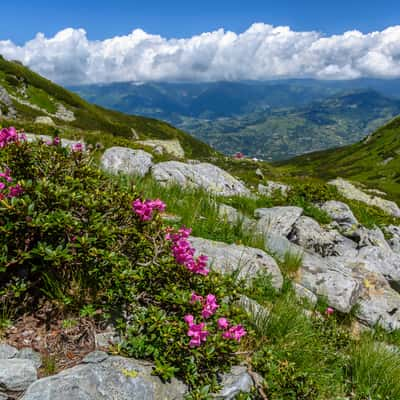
{"x": 175, "y": 18}
{"x": 89, "y": 41}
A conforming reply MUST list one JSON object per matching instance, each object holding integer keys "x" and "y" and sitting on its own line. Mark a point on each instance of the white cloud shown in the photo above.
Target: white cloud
{"x": 261, "y": 52}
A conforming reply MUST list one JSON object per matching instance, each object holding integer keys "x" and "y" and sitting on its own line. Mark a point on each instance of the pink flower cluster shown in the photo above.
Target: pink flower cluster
{"x": 13, "y": 191}
{"x": 209, "y": 304}
{"x": 8, "y": 135}
{"x": 54, "y": 142}
{"x": 183, "y": 252}
{"x": 235, "y": 332}
{"x": 196, "y": 332}
{"x": 77, "y": 147}
{"x": 145, "y": 209}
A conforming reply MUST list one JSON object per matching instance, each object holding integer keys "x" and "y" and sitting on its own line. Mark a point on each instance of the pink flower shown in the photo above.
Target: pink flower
{"x": 194, "y": 298}
{"x": 15, "y": 191}
{"x": 189, "y": 319}
{"x": 329, "y": 311}
{"x": 198, "y": 334}
{"x": 183, "y": 252}
{"x": 235, "y": 333}
{"x": 210, "y": 306}
{"x": 8, "y": 135}
{"x": 145, "y": 209}
{"x": 77, "y": 147}
{"x": 223, "y": 323}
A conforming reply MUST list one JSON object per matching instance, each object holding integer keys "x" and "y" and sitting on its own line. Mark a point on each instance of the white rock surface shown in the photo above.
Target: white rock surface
{"x": 277, "y": 220}
{"x": 351, "y": 192}
{"x": 203, "y": 175}
{"x": 127, "y": 161}
{"x": 171, "y": 147}
{"x": 44, "y": 120}
{"x": 227, "y": 258}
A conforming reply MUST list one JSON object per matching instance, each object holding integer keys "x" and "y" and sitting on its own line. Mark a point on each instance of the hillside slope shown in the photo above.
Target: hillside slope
{"x": 25, "y": 95}
{"x": 374, "y": 161}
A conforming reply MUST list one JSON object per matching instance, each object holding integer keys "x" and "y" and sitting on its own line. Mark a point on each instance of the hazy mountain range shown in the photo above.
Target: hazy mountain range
{"x": 270, "y": 120}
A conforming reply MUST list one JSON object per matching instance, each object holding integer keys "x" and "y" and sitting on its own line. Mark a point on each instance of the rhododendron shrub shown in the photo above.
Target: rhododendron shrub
{"x": 71, "y": 237}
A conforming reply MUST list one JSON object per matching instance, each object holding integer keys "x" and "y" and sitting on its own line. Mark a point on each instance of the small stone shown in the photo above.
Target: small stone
{"x": 7, "y": 351}
{"x": 235, "y": 382}
{"x": 106, "y": 339}
{"x": 95, "y": 357}
{"x": 44, "y": 121}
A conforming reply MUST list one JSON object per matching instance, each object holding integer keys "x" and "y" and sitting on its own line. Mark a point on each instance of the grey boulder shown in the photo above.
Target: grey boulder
{"x": 127, "y": 161}
{"x": 277, "y": 220}
{"x": 202, "y": 175}
{"x": 16, "y": 374}
{"x": 308, "y": 234}
{"x": 112, "y": 378}
{"x": 247, "y": 261}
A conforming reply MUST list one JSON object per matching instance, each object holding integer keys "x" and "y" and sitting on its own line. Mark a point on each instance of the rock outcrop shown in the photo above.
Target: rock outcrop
{"x": 247, "y": 261}
{"x": 202, "y": 175}
{"x": 127, "y": 161}
{"x": 171, "y": 147}
{"x": 349, "y": 191}
{"x": 106, "y": 377}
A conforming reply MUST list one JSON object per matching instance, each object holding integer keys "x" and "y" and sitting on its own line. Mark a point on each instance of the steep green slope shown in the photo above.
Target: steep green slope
{"x": 32, "y": 96}
{"x": 375, "y": 161}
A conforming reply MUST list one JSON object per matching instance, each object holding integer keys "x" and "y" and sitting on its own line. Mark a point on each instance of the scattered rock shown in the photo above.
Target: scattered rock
{"x": 381, "y": 261}
{"x": 29, "y": 354}
{"x": 228, "y": 258}
{"x": 16, "y": 374}
{"x": 128, "y": 161}
{"x": 44, "y": 120}
{"x": 281, "y": 246}
{"x": 259, "y": 173}
{"x": 394, "y": 237}
{"x": 64, "y": 114}
{"x": 272, "y": 187}
{"x": 233, "y": 216}
{"x": 277, "y": 220}
{"x": 308, "y": 234}
{"x": 235, "y": 382}
{"x": 351, "y": 192}
{"x": 171, "y": 147}
{"x": 203, "y": 175}
{"x": 95, "y": 357}
{"x": 379, "y": 305}
{"x": 304, "y": 293}
{"x": 107, "y": 338}
{"x": 342, "y": 214}
{"x": 330, "y": 279}
{"x": 7, "y": 351}
{"x": 113, "y": 378}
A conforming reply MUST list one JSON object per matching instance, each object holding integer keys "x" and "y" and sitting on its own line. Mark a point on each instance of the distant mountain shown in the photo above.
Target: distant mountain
{"x": 269, "y": 120}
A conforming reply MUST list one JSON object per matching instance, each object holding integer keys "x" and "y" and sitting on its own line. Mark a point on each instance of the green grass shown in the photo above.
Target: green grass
{"x": 374, "y": 371}
{"x": 197, "y": 209}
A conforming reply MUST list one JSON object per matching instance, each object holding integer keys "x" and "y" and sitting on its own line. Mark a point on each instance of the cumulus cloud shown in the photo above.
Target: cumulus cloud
{"x": 261, "y": 52}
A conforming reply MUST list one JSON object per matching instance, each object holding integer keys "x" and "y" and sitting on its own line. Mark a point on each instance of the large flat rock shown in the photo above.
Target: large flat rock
{"x": 227, "y": 258}
{"x": 126, "y": 161}
{"x": 202, "y": 175}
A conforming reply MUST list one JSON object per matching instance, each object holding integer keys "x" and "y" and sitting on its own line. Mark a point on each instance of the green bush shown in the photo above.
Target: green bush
{"x": 73, "y": 240}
